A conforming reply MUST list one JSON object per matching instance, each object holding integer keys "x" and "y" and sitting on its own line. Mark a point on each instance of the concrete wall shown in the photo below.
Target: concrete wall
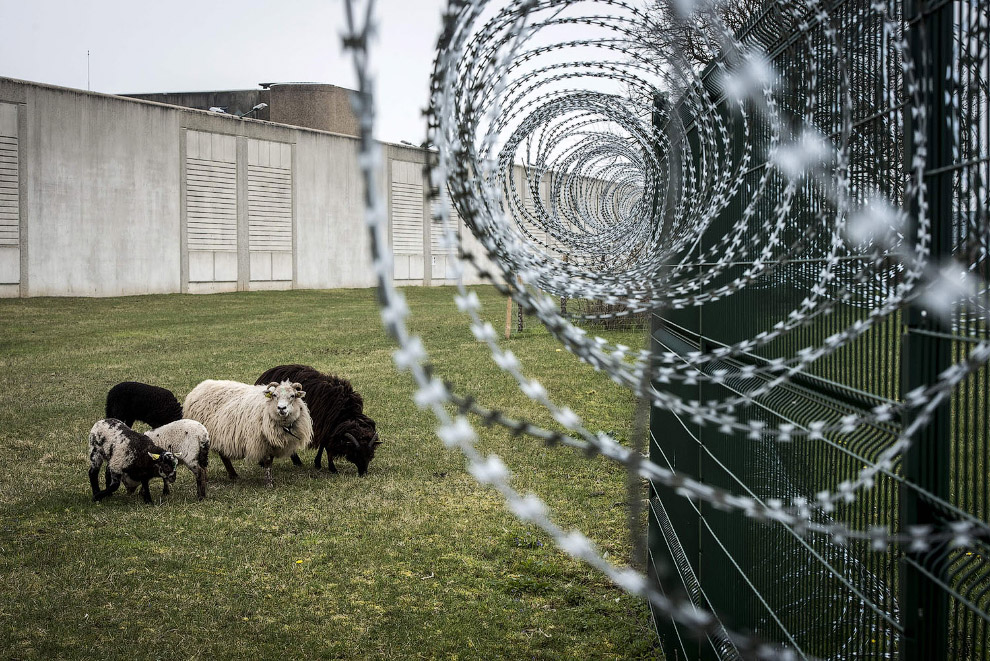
{"x": 306, "y": 105}
{"x": 314, "y": 106}
{"x": 234, "y": 101}
{"x": 105, "y": 196}
{"x": 331, "y": 214}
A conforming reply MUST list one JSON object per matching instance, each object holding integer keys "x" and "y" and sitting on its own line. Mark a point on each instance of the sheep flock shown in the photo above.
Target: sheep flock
{"x": 290, "y": 408}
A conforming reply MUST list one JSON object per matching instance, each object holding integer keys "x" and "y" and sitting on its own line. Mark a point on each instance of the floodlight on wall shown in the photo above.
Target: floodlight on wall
{"x": 422, "y": 145}
{"x": 260, "y": 106}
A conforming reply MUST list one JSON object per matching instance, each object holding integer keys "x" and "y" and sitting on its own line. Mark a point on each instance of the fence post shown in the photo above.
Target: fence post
{"x": 925, "y": 604}
{"x": 673, "y": 530}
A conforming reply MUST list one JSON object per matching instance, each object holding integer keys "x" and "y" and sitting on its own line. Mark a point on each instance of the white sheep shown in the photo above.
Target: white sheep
{"x": 257, "y": 423}
{"x": 190, "y": 442}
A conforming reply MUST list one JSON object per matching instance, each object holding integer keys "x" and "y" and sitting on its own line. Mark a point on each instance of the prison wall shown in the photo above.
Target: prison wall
{"x": 102, "y": 195}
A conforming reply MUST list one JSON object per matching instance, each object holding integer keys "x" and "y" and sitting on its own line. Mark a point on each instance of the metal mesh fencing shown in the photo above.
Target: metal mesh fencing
{"x": 821, "y": 598}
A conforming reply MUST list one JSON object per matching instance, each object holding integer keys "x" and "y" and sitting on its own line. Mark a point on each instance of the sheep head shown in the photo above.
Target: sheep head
{"x": 359, "y": 440}
{"x": 165, "y": 462}
{"x": 285, "y": 400}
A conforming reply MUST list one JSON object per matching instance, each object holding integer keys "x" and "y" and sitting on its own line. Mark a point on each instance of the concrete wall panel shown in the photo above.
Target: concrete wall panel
{"x": 10, "y": 265}
{"x": 211, "y": 287}
{"x": 400, "y": 269}
{"x": 416, "y": 268}
{"x": 103, "y": 189}
{"x": 8, "y": 119}
{"x": 271, "y": 285}
{"x": 225, "y": 266}
{"x": 332, "y": 248}
{"x": 200, "y": 266}
{"x": 281, "y": 266}
{"x": 261, "y": 265}
{"x": 120, "y": 195}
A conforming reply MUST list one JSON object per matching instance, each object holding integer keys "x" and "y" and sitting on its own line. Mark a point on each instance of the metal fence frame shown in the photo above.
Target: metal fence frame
{"x": 823, "y": 600}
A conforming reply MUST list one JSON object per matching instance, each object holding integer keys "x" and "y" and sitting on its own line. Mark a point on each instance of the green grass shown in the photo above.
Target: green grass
{"x": 414, "y": 561}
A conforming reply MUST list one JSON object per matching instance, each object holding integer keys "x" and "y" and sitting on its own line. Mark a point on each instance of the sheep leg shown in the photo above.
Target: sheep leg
{"x": 330, "y": 466}
{"x": 266, "y": 464}
{"x": 229, "y": 466}
{"x": 146, "y": 491}
{"x": 296, "y": 461}
{"x": 130, "y": 487}
{"x": 165, "y": 489}
{"x": 201, "y": 483}
{"x": 94, "y": 481}
{"x": 95, "y": 461}
{"x": 318, "y": 462}
{"x": 112, "y": 486}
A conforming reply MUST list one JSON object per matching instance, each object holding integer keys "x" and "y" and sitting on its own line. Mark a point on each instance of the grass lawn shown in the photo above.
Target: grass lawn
{"x": 414, "y": 561}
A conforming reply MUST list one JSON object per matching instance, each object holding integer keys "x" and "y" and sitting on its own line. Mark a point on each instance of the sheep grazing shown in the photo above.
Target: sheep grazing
{"x": 340, "y": 426}
{"x": 257, "y": 423}
{"x": 190, "y": 442}
{"x": 131, "y": 458}
{"x": 131, "y": 400}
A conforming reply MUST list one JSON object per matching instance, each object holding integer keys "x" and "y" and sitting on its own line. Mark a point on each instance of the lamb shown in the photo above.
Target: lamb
{"x": 130, "y": 400}
{"x": 131, "y": 458}
{"x": 257, "y": 423}
{"x": 340, "y": 426}
{"x": 190, "y": 442}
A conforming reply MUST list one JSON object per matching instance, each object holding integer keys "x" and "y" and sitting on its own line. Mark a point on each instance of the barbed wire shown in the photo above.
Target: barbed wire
{"x": 638, "y": 159}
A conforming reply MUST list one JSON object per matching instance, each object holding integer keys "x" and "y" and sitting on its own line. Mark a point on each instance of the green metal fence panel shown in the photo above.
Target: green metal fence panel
{"x": 822, "y": 599}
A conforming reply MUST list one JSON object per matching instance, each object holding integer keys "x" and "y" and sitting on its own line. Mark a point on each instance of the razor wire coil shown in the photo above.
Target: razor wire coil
{"x": 588, "y": 169}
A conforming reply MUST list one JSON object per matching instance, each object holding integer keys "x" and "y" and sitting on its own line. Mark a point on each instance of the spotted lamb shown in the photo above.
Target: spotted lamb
{"x": 189, "y": 441}
{"x": 131, "y": 458}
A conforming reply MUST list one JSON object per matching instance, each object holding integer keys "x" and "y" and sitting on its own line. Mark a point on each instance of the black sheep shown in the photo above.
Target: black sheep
{"x": 340, "y": 426}
{"x": 130, "y": 401}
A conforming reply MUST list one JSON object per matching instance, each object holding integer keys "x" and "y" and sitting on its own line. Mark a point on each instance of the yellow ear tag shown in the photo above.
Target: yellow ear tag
{"x": 156, "y": 457}
{"x": 268, "y": 394}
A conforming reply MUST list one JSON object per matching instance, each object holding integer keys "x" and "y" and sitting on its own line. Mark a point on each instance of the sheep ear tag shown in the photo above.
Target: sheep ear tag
{"x": 154, "y": 456}
{"x": 268, "y": 394}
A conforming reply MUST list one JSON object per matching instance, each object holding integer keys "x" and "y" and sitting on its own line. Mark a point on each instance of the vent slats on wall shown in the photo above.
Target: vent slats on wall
{"x": 211, "y": 204}
{"x": 407, "y": 214}
{"x": 407, "y": 217}
{"x": 270, "y": 205}
{"x": 9, "y": 193}
{"x": 436, "y": 228}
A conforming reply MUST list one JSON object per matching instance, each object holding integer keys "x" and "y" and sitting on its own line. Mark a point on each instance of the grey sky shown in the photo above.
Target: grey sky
{"x": 185, "y": 45}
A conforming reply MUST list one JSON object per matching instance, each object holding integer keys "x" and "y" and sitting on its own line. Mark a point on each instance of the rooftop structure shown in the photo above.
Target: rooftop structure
{"x": 308, "y": 105}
